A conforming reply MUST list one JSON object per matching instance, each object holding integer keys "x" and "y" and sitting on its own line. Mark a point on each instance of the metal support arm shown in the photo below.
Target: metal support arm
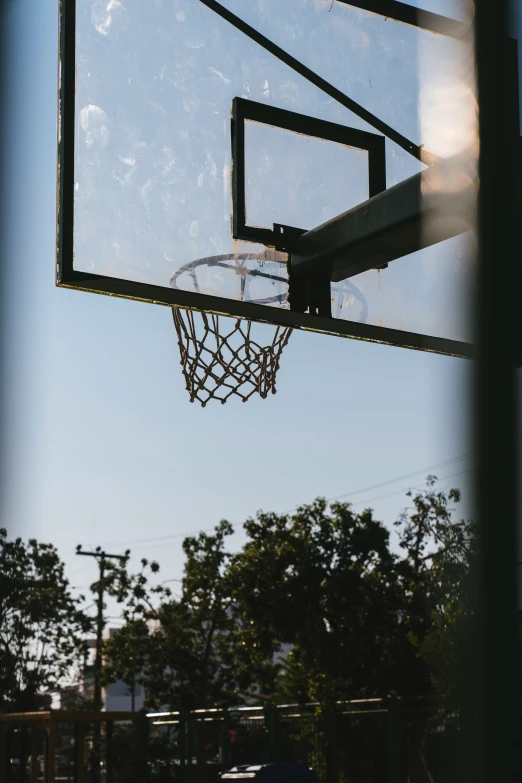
{"x": 429, "y": 207}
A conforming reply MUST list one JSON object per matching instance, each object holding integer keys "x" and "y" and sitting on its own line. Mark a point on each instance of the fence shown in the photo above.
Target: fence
{"x": 373, "y": 741}
{"x": 73, "y": 746}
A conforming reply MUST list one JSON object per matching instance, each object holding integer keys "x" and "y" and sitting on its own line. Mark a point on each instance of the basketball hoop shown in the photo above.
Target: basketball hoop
{"x": 220, "y": 356}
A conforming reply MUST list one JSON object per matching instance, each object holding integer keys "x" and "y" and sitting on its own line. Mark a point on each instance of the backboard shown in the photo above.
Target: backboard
{"x": 307, "y": 164}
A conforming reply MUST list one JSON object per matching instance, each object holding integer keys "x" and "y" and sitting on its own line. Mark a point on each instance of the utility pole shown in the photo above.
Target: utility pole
{"x": 102, "y": 558}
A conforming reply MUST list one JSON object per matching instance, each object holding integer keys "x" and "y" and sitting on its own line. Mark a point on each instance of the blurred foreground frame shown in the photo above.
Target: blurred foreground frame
{"x": 491, "y": 694}
{"x": 491, "y": 697}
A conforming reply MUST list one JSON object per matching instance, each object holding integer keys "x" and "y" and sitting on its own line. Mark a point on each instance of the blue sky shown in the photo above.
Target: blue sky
{"x": 104, "y": 447}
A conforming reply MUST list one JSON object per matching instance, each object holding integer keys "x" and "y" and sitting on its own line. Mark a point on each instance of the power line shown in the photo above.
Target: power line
{"x": 445, "y": 464}
{"x": 154, "y": 543}
{"x": 404, "y": 477}
{"x": 399, "y": 491}
{"x": 79, "y": 571}
{"x": 356, "y": 503}
{"x": 428, "y": 469}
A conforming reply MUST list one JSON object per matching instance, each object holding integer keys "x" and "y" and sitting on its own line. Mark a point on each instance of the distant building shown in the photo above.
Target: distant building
{"x": 115, "y": 697}
{"x": 118, "y": 696}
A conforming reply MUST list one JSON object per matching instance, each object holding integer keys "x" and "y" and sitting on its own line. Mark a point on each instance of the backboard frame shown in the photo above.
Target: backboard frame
{"x": 244, "y": 110}
{"x": 68, "y": 277}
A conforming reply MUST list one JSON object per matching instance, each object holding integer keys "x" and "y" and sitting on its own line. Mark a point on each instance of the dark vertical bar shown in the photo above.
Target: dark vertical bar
{"x": 492, "y": 696}
{"x": 79, "y": 755}
{"x": 275, "y": 732}
{"x": 142, "y": 730}
{"x": 267, "y": 744}
{"x": 513, "y": 101}
{"x": 45, "y": 749}
{"x": 329, "y": 726}
{"x": 66, "y": 142}
{"x": 4, "y": 155}
{"x": 3, "y": 750}
{"x": 51, "y": 752}
{"x": 23, "y": 752}
{"x": 108, "y": 751}
{"x": 377, "y": 167}
{"x": 377, "y": 171}
{"x": 238, "y": 170}
{"x": 393, "y": 727}
{"x": 35, "y": 736}
{"x": 182, "y": 729}
{"x": 225, "y": 742}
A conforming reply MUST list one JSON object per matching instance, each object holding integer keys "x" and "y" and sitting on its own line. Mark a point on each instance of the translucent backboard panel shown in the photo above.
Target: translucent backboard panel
{"x": 295, "y": 179}
{"x": 456, "y": 9}
{"x": 151, "y": 136}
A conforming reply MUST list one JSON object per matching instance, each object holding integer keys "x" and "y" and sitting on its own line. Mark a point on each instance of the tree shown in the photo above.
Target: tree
{"x": 182, "y": 650}
{"x": 362, "y": 620}
{"x": 192, "y": 665}
{"x": 126, "y": 653}
{"x": 42, "y": 628}
{"x": 437, "y": 571}
{"x": 323, "y": 581}
{"x": 359, "y": 620}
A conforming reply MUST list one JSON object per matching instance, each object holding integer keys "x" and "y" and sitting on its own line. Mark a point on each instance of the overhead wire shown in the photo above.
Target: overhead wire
{"x": 403, "y": 489}
{"x": 427, "y": 469}
{"x": 356, "y": 503}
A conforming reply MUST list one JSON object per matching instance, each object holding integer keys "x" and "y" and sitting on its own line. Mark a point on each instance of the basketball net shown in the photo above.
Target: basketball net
{"x": 220, "y": 357}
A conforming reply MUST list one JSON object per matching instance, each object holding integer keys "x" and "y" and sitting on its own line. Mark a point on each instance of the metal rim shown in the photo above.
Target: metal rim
{"x": 222, "y": 261}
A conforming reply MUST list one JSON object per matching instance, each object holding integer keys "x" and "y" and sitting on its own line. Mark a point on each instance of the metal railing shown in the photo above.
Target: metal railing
{"x": 373, "y": 741}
